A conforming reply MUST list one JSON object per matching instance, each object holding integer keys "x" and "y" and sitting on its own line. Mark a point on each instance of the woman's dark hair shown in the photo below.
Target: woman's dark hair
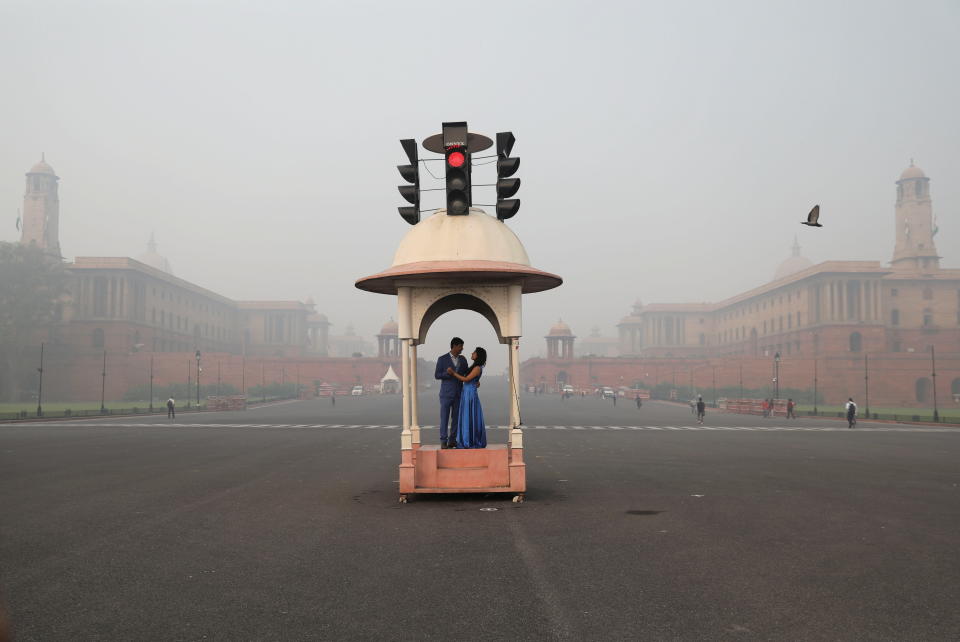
{"x": 481, "y": 357}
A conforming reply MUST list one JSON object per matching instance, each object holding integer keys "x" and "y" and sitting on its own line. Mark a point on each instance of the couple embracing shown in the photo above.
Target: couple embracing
{"x": 461, "y": 417}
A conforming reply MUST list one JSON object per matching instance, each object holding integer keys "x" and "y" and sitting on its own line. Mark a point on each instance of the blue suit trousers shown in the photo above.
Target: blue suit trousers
{"x": 448, "y": 405}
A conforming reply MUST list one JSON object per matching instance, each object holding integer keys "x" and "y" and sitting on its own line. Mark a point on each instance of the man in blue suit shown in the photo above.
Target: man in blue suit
{"x": 450, "y": 388}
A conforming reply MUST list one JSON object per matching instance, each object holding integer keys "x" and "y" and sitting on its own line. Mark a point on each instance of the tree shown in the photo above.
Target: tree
{"x": 31, "y": 286}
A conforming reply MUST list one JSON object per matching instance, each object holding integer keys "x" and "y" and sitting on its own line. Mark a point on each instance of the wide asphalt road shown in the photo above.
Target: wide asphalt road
{"x": 282, "y": 523}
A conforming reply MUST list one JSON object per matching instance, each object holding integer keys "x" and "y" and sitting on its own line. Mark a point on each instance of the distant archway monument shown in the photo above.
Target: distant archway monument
{"x": 470, "y": 261}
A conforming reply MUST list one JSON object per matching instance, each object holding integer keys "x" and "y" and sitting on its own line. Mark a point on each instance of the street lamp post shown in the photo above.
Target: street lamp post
{"x": 933, "y": 375}
{"x": 151, "y": 383}
{"x": 776, "y": 376}
{"x": 40, "y": 389}
{"x": 103, "y": 384}
{"x": 263, "y": 385}
{"x": 219, "y": 378}
{"x": 866, "y": 384}
{"x": 243, "y": 376}
{"x": 815, "y": 387}
{"x": 714, "y": 386}
{"x": 198, "y": 379}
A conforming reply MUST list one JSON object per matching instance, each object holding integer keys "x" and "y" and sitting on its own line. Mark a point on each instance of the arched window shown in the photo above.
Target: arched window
{"x": 98, "y": 338}
{"x": 856, "y": 342}
{"x": 923, "y": 390}
{"x": 894, "y": 317}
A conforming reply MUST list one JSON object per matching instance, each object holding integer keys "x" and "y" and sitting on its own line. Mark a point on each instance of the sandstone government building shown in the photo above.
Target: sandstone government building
{"x": 133, "y": 312}
{"x": 846, "y": 328}
{"x": 858, "y": 327}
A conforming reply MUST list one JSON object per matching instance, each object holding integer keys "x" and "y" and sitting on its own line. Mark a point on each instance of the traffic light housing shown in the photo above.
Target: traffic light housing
{"x": 506, "y": 186}
{"x": 458, "y": 166}
{"x": 411, "y": 174}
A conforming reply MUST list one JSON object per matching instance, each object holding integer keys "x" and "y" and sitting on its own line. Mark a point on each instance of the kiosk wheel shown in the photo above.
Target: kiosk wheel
{"x": 518, "y": 499}
{"x": 403, "y": 499}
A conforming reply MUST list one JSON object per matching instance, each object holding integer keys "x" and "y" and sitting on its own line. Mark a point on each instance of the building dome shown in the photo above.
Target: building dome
{"x": 912, "y": 172}
{"x": 475, "y": 247}
{"x": 152, "y": 258}
{"x": 42, "y": 168}
{"x": 390, "y": 327}
{"x": 560, "y": 329}
{"x": 793, "y": 264}
{"x": 476, "y": 236}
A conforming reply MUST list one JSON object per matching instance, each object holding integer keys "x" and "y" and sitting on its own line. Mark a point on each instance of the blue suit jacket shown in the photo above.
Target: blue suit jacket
{"x": 450, "y": 386}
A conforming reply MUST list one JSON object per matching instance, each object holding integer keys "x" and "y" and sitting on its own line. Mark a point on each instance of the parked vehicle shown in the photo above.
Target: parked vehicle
{"x": 608, "y": 393}
{"x": 357, "y": 391}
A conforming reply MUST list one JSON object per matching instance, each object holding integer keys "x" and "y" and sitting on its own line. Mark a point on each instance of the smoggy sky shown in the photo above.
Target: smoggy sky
{"x": 668, "y": 150}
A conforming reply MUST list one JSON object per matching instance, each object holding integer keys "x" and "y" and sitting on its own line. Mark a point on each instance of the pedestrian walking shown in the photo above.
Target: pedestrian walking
{"x": 171, "y": 408}
{"x": 701, "y": 409}
{"x": 791, "y": 414}
{"x": 333, "y": 397}
{"x": 851, "y": 409}
{"x": 639, "y": 402}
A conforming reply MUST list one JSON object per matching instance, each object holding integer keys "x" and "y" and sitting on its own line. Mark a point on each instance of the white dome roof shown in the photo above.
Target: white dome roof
{"x": 475, "y": 248}
{"x": 476, "y": 236}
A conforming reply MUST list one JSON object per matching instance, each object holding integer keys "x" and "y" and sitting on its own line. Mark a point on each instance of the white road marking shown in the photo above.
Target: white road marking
{"x": 703, "y": 428}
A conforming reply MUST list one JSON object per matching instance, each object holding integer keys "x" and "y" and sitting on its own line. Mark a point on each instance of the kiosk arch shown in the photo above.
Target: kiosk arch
{"x": 453, "y": 302}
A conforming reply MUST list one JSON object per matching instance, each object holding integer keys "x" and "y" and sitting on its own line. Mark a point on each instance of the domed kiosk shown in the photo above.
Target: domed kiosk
{"x": 466, "y": 262}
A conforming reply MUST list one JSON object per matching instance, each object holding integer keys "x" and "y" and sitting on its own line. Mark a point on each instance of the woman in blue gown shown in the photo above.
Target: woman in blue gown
{"x": 472, "y": 431}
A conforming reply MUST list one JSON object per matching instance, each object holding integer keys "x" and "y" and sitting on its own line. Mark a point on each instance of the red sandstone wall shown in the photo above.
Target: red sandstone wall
{"x": 892, "y": 382}
{"x": 70, "y": 377}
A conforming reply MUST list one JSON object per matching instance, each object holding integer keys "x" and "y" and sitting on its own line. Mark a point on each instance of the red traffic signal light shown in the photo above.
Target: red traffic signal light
{"x": 456, "y": 159}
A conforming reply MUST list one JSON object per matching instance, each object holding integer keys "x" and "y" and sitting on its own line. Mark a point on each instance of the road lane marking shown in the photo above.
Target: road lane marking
{"x": 695, "y": 428}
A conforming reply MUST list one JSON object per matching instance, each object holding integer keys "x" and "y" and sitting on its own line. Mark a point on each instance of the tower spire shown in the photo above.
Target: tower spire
{"x": 914, "y": 223}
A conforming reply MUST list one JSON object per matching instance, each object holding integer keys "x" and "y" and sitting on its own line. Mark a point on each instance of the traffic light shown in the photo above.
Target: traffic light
{"x": 458, "y": 168}
{"x": 411, "y": 174}
{"x": 506, "y": 186}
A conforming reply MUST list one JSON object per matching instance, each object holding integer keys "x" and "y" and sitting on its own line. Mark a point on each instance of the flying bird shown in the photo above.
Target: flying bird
{"x": 813, "y": 217}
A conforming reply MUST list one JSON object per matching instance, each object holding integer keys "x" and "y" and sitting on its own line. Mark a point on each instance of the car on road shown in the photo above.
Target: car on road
{"x": 607, "y": 393}
{"x": 357, "y": 391}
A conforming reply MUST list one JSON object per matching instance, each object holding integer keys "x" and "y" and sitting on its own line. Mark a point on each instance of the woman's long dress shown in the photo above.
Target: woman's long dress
{"x": 472, "y": 431}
